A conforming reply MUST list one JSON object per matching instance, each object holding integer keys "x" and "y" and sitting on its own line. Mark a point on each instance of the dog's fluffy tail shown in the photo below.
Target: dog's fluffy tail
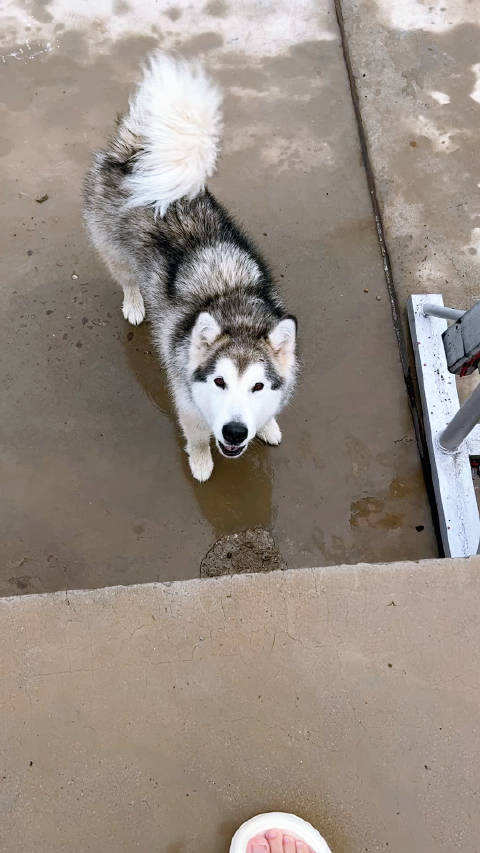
{"x": 176, "y": 121}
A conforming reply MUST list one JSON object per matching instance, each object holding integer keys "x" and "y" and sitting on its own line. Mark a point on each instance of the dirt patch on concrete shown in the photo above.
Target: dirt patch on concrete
{"x": 251, "y": 550}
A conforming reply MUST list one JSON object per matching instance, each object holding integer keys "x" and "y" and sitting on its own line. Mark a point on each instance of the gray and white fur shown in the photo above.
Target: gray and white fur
{"x": 217, "y": 320}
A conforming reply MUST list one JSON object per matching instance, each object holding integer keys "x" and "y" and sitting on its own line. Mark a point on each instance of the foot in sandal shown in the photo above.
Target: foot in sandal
{"x": 278, "y": 832}
{"x": 276, "y": 841}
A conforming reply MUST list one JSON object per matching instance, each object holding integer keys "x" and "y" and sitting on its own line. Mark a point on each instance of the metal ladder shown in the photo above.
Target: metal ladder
{"x": 441, "y": 353}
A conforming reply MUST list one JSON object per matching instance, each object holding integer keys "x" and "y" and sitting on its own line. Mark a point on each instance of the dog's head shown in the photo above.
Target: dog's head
{"x": 241, "y": 379}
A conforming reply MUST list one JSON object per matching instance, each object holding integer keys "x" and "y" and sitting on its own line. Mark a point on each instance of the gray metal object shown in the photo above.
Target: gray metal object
{"x": 462, "y": 423}
{"x": 451, "y": 471}
{"x": 432, "y": 310}
{"x": 462, "y": 342}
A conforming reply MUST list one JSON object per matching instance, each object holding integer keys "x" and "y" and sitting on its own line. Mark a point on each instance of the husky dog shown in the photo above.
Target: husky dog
{"x": 217, "y": 321}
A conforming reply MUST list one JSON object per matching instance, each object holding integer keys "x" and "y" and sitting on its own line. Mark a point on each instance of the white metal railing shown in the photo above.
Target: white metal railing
{"x": 452, "y": 433}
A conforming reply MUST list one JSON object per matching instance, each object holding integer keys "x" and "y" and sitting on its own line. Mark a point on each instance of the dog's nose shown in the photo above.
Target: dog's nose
{"x": 234, "y": 432}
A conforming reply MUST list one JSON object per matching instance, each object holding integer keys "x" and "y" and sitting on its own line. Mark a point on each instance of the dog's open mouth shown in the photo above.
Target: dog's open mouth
{"x": 231, "y": 450}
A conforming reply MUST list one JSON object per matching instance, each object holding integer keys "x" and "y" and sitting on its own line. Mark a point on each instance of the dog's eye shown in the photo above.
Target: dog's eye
{"x": 220, "y": 382}
{"x": 258, "y": 386}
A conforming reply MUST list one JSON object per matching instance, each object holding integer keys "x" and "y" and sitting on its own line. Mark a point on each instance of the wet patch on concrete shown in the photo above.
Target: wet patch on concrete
{"x": 94, "y": 451}
{"x": 216, "y": 8}
{"x": 422, "y": 127}
{"x": 120, "y": 7}
{"x": 38, "y": 10}
{"x": 275, "y": 29}
{"x": 174, "y": 13}
{"x": 24, "y": 583}
{"x": 371, "y": 512}
{"x": 239, "y": 553}
{"x": 201, "y": 43}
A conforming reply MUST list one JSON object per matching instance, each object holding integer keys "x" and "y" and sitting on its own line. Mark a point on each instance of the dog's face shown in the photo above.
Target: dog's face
{"x": 239, "y": 384}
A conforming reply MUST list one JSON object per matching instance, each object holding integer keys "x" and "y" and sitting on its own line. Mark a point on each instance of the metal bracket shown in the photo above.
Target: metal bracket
{"x": 451, "y": 471}
{"x": 461, "y": 342}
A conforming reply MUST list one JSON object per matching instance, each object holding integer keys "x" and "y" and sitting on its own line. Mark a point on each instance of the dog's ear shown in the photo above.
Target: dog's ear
{"x": 283, "y": 337}
{"x": 205, "y": 331}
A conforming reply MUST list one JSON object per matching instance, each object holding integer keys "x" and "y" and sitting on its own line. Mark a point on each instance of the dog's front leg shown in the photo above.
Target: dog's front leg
{"x": 197, "y": 435}
{"x": 270, "y": 433}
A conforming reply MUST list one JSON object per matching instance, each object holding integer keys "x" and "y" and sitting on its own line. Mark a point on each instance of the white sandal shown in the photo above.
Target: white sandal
{"x": 290, "y": 824}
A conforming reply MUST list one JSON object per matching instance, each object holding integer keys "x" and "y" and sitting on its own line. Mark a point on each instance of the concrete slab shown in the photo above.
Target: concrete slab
{"x": 97, "y": 490}
{"x": 417, "y": 74}
{"x": 417, "y": 70}
{"x": 157, "y": 718}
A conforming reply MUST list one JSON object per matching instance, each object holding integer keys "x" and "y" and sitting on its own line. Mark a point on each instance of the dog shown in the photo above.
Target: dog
{"x": 217, "y": 321}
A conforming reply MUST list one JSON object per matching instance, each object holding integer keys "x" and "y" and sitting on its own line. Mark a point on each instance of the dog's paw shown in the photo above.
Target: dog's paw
{"x": 133, "y": 308}
{"x": 201, "y": 463}
{"x": 270, "y": 433}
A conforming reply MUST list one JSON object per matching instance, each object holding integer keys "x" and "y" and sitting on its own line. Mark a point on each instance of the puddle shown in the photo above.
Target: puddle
{"x": 239, "y": 494}
{"x": 146, "y": 367}
{"x": 98, "y": 488}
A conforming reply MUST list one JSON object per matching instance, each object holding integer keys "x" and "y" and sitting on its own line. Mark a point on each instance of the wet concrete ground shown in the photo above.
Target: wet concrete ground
{"x": 416, "y": 67}
{"x": 96, "y": 487}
